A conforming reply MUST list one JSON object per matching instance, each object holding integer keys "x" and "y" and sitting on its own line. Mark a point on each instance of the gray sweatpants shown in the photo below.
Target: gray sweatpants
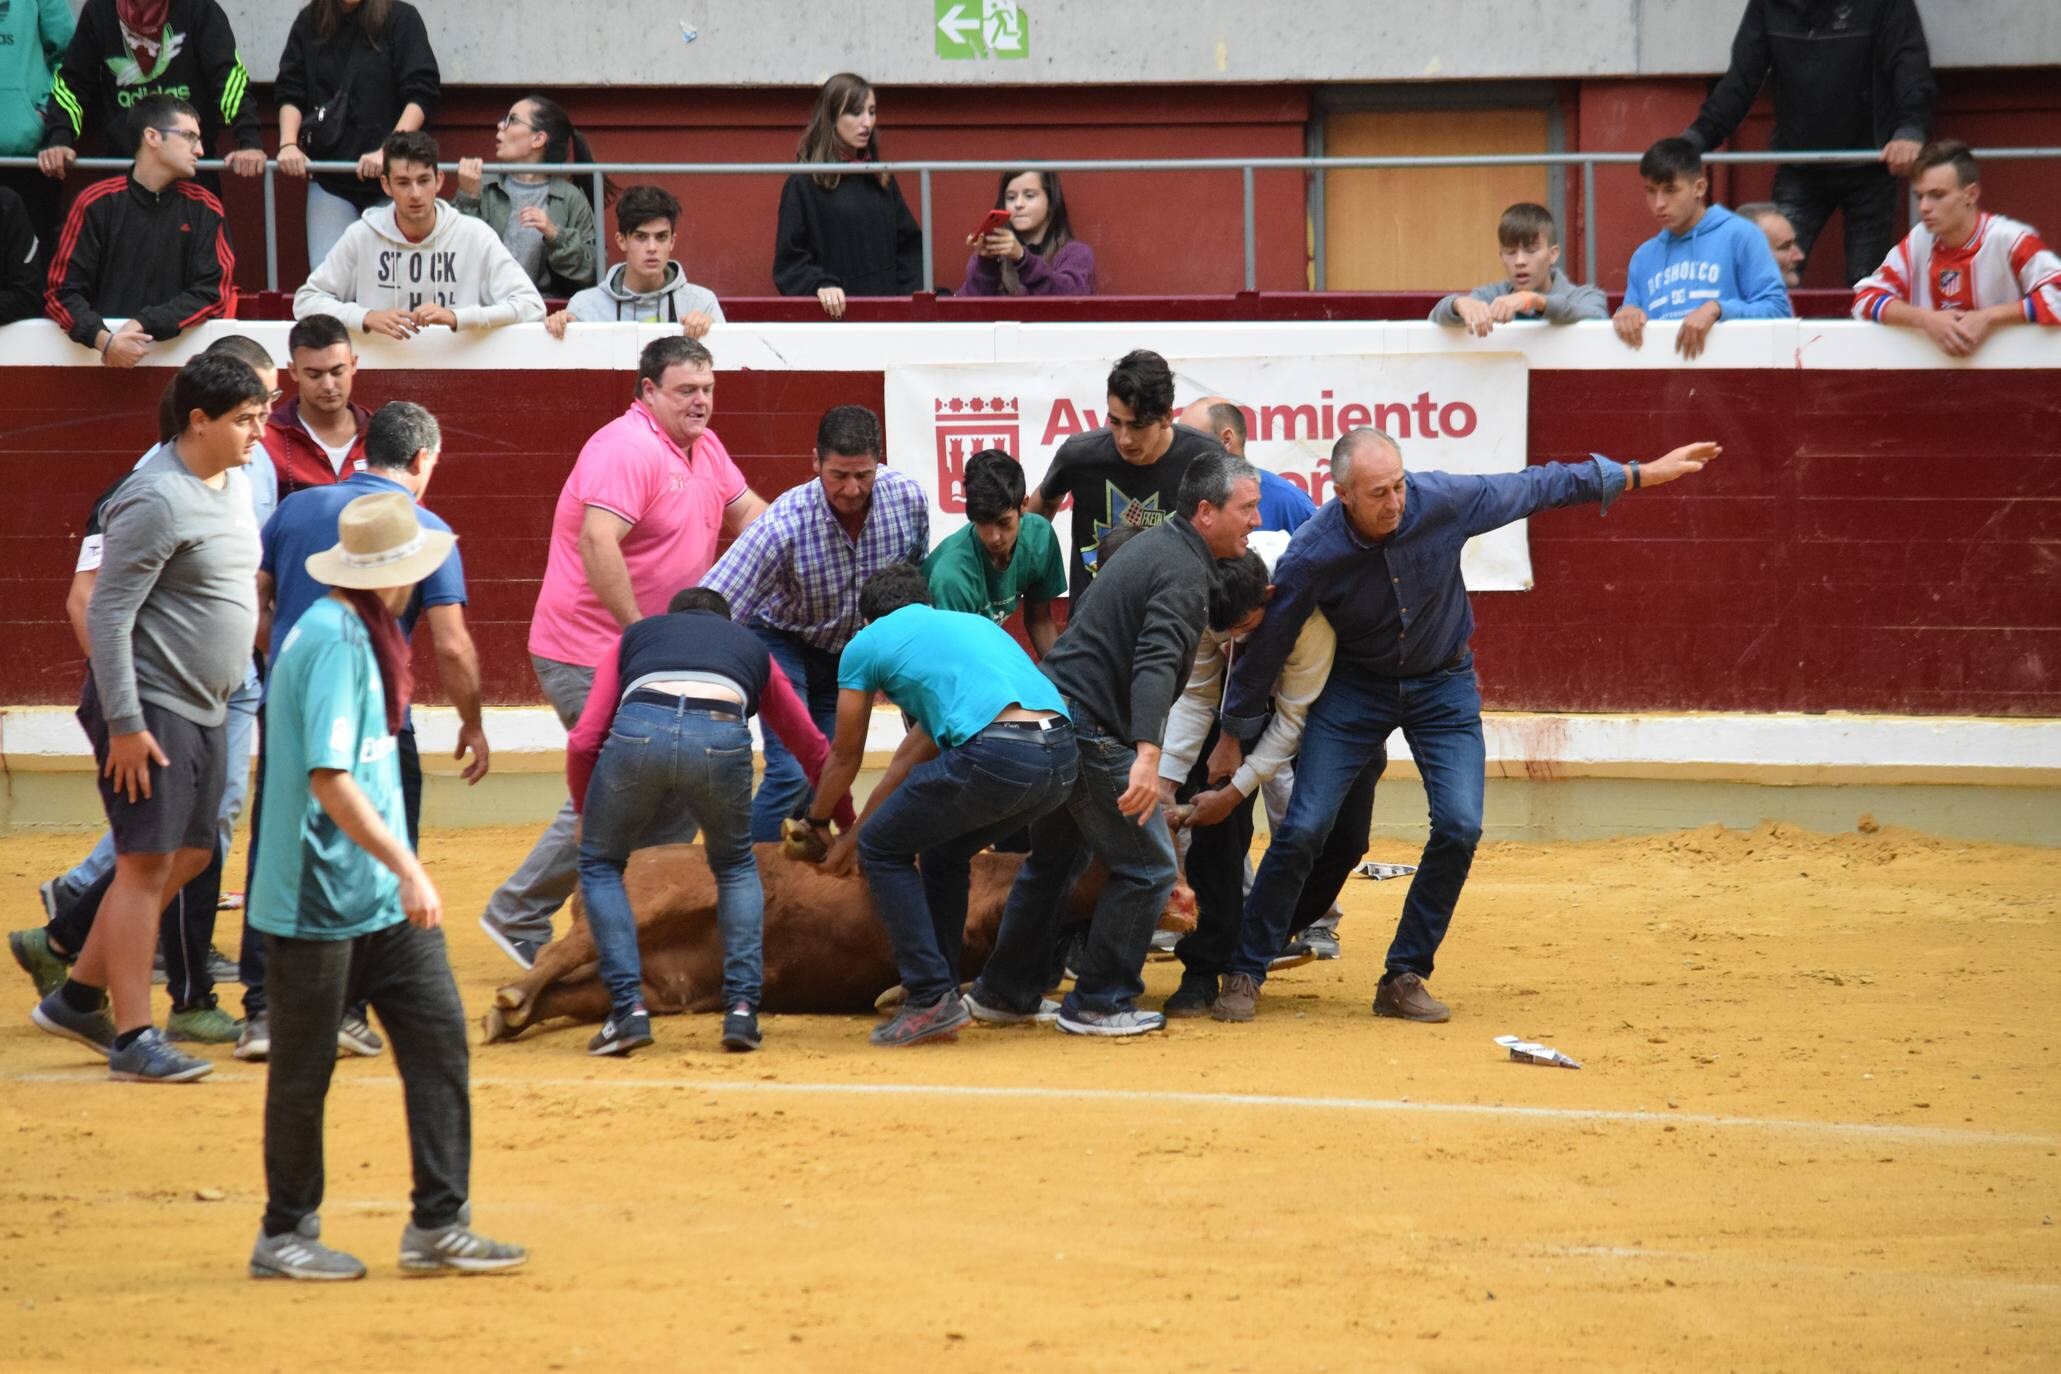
{"x": 522, "y": 907}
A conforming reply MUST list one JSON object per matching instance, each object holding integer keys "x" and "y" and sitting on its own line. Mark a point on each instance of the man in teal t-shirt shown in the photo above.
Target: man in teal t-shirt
{"x": 990, "y": 752}
{"x": 347, "y": 911}
{"x": 1002, "y": 558}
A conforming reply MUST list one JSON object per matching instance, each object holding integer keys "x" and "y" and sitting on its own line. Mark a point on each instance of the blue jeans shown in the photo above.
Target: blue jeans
{"x": 785, "y": 787}
{"x": 945, "y": 812}
{"x": 1440, "y": 716}
{"x": 1140, "y": 860}
{"x": 662, "y": 771}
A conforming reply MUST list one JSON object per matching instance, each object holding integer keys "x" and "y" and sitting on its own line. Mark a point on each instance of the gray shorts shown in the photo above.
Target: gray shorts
{"x": 185, "y": 794}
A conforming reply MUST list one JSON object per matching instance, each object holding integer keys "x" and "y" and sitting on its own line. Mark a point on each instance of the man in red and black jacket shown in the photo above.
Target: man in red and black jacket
{"x": 317, "y": 439}
{"x": 149, "y": 248}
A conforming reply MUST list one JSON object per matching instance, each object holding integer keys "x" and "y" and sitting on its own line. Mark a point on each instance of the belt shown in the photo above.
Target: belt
{"x": 1016, "y": 729}
{"x": 715, "y": 706}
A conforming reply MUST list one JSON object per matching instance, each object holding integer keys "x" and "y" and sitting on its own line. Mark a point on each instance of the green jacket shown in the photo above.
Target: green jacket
{"x": 569, "y": 258}
{"x": 33, "y": 37}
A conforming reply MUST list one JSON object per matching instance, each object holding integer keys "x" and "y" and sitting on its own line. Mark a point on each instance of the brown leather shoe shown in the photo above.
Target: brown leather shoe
{"x": 1405, "y": 998}
{"x": 1237, "y": 999}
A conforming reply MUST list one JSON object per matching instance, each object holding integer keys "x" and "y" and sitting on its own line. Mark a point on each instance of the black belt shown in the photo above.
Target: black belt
{"x": 715, "y": 706}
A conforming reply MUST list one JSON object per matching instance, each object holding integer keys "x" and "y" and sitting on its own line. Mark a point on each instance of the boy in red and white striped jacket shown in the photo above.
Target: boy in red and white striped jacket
{"x": 1963, "y": 271}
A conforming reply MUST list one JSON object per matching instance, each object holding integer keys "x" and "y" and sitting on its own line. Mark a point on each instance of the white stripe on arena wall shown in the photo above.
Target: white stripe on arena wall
{"x": 1790, "y": 749}
{"x": 1825, "y": 345}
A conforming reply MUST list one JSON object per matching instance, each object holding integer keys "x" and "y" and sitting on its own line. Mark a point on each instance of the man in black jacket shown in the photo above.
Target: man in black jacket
{"x": 1147, "y": 611}
{"x": 1848, "y": 74}
{"x": 126, "y": 52}
{"x": 21, "y": 281}
{"x": 149, "y": 248}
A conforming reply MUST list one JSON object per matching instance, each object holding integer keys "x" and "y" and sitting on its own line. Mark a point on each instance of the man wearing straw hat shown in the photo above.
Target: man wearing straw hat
{"x": 348, "y": 912}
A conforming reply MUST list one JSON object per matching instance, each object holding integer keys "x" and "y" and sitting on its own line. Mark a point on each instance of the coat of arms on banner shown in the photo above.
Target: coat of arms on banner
{"x": 965, "y": 426}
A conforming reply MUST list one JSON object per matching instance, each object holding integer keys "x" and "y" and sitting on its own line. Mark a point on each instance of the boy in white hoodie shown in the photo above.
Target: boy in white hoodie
{"x": 647, "y": 286}
{"x": 418, "y": 262}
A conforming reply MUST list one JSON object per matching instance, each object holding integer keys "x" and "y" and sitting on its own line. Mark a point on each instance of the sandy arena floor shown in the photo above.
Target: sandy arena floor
{"x": 1817, "y": 1128}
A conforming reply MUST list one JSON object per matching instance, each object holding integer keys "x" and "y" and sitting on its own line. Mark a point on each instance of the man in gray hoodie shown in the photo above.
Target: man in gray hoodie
{"x": 647, "y": 286}
{"x": 405, "y": 267}
{"x": 1536, "y": 288}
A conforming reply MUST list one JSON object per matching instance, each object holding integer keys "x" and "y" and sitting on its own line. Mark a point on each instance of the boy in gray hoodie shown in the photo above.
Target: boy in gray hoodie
{"x": 647, "y": 285}
{"x": 1536, "y": 288}
{"x": 416, "y": 263}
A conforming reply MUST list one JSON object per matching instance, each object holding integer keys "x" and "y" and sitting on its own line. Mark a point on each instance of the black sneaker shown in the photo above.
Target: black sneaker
{"x": 741, "y": 1028}
{"x": 1196, "y": 995}
{"x": 622, "y": 1032}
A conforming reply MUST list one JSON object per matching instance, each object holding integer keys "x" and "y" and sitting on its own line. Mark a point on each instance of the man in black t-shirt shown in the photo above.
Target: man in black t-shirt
{"x": 1126, "y": 473}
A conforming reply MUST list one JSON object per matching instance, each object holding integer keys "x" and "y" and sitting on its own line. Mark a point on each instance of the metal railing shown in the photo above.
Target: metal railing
{"x": 1248, "y": 167}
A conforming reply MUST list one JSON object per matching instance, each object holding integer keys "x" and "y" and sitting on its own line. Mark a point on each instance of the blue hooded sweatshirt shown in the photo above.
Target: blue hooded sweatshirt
{"x": 1724, "y": 259}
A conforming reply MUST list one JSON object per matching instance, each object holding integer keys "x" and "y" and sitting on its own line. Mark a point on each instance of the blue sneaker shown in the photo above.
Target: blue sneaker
{"x": 1122, "y": 1021}
{"x": 741, "y": 1029}
{"x": 622, "y": 1032}
{"x": 93, "y": 1029}
{"x": 150, "y": 1058}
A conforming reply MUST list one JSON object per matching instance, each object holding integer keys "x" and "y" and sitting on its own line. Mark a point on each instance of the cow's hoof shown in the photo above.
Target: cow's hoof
{"x": 494, "y": 1027}
{"x": 510, "y": 995}
{"x": 890, "y": 1002}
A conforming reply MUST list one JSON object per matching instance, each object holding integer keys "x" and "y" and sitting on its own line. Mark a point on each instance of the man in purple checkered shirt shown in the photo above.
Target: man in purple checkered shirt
{"x": 794, "y": 575}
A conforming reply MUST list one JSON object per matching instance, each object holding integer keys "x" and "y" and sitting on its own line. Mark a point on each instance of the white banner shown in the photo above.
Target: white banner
{"x": 1462, "y": 413}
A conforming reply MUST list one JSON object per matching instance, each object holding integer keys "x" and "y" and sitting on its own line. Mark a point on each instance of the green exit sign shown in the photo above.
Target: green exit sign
{"x": 968, "y": 29}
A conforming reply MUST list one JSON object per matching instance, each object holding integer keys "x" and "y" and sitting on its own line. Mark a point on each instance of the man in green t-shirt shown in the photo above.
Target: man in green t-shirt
{"x": 1002, "y": 557}
{"x": 347, "y": 911}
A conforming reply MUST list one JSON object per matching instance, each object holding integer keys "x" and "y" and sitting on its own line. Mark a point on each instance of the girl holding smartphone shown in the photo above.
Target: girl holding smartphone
{"x": 1035, "y": 253}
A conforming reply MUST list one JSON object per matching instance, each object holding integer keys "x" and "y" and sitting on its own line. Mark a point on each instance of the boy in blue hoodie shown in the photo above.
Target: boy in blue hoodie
{"x": 1706, "y": 264}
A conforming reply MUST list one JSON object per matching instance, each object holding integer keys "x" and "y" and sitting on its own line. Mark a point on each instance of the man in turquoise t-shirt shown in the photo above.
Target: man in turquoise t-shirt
{"x": 990, "y": 752}
{"x": 347, "y": 911}
{"x": 1002, "y": 558}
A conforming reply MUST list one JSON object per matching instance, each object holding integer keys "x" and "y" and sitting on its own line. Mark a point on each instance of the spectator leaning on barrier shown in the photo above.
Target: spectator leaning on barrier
{"x": 1001, "y": 558}
{"x": 851, "y": 233}
{"x": 319, "y": 435}
{"x": 545, "y": 218}
{"x": 1037, "y": 254}
{"x": 1535, "y": 289}
{"x": 126, "y": 51}
{"x": 794, "y": 578}
{"x": 1961, "y": 271}
{"x": 1283, "y": 505}
{"x": 21, "y": 279}
{"x": 352, "y": 72}
{"x": 417, "y": 262}
{"x": 1129, "y": 471}
{"x": 1705, "y": 264}
{"x": 648, "y": 285}
{"x": 1851, "y": 74}
{"x": 639, "y": 517}
{"x": 1781, "y": 235}
{"x": 33, "y": 37}
{"x": 149, "y": 248}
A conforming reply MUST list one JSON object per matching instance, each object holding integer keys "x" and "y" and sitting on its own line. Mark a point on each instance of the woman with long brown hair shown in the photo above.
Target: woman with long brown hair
{"x": 353, "y": 71}
{"x": 1035, "y": 254}
{"x": 545, "y": 218}
{"x": 845, "y": 233}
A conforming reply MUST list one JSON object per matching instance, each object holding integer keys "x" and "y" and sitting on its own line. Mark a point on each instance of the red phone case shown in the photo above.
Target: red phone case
{"x": 996, "y": 219}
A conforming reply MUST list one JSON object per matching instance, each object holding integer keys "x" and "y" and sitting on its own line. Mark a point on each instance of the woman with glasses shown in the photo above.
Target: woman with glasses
{"x": 545, "y": 218}
{"x": 353, "y": 71}
{"x": 845, "y": 234}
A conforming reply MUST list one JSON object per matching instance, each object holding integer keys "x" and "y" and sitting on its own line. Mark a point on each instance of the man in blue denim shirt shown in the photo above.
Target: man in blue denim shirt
{"x": 1383, "y": 564}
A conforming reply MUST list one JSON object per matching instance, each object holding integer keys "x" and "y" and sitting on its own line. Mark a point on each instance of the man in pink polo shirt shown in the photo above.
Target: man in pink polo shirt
{"x": 637, "y": 520}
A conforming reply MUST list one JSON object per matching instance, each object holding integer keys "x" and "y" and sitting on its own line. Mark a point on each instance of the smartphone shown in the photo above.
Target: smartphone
{"x": 996, "y": 219}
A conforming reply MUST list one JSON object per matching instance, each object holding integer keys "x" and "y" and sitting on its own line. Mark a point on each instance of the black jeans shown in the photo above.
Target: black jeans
{"x": 250, "y": 955}
{"x": 1216, "y": 867}
{"x": 185, "y": 932}
{"x": 403, "y": 973}
{"x": 1865, "y": 196}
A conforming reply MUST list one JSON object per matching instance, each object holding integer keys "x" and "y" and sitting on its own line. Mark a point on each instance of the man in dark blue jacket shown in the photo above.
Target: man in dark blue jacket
{"x": 1383, "y": 564}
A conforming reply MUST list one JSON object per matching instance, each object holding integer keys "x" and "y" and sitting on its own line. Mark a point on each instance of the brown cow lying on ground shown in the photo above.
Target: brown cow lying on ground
{"x": 825, "y": 949}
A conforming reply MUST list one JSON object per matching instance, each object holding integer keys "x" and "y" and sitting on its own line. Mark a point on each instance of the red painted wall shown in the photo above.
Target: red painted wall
{"x": 1872, "y": 541}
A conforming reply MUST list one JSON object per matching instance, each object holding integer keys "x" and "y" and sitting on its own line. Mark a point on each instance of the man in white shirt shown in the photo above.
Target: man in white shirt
{"x": 1218, "y": 811}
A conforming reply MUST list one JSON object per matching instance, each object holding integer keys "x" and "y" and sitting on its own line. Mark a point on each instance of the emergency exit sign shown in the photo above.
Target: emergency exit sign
{"x": 969, "y": 29}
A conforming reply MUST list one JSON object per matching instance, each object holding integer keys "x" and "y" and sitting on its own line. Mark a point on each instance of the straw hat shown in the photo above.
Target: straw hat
{"x": 380, "y": 543}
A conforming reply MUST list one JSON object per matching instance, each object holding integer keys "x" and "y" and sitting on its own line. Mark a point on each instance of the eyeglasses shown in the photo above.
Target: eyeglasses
{"x": 192, "y": 136}
{"x": 276, "y": 397}
{"x": 509, "y": 120}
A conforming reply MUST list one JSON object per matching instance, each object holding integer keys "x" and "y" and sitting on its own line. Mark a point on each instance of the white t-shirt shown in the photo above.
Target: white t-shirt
{"x": 339, "y": 454}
